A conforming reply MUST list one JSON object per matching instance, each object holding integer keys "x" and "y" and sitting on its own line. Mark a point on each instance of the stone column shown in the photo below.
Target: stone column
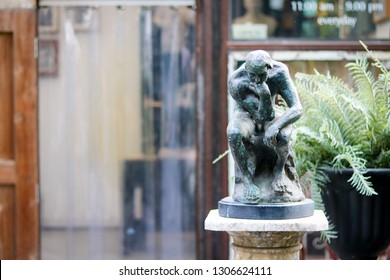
{"x": 266, "y": 239}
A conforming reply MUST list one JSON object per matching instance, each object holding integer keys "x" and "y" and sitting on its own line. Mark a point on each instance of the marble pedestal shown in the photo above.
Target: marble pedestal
{"x": 266, "y": 239}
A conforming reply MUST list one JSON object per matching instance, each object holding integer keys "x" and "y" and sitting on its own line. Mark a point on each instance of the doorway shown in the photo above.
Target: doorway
{"x": 117, "y": 136}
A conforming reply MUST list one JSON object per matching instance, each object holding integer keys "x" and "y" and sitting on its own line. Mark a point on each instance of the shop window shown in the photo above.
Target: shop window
{"x": 309, "y": 19}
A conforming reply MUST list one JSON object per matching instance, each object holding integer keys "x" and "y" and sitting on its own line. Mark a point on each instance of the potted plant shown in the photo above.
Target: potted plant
{"x": 342, "y": 146}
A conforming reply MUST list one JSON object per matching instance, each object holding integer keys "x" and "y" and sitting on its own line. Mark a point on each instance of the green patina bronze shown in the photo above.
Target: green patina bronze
{"x": 259, "y": 135}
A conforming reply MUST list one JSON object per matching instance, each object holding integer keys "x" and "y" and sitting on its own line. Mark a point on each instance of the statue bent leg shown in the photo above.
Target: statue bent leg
{"x": 238, "y": 132}
{"x": 282, "y": 149}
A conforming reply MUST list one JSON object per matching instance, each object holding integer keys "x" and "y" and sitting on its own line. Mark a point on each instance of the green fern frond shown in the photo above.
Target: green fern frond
{"x": 330, "y": 131}
{"x": 383, "y": 158}
{"x": 379, "y": 94}
{"x": 357, "y": 105}
{"x": 358, "y": 180}
{"x": 328, "y": 95}
{"x": 221, "y": 156}
{"x": 382, "y": 94}
{"x": 364, "y": 79}
{"x": 359, "y": 70}
{"x": 377, "y": 62}
{"x": 306, "y": 131}
{"x": 329, "y": 234}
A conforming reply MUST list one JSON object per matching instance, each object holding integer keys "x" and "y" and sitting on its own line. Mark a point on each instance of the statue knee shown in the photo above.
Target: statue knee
{"x": 234, "y": 137}
{"x": 283, "y": 140}
{"x": 233, "y": 132}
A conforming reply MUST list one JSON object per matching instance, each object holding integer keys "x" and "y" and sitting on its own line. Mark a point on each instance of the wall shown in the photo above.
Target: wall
{"x": 381, "y": 29}
{"x": 25, "y": 4}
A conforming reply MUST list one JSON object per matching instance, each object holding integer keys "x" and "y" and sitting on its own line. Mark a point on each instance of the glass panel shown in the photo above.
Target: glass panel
{"x": 117, "y": 151}
{"x": 309, "y": 19}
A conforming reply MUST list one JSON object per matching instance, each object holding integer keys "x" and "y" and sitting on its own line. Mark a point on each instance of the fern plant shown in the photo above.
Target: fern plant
{"x": 343, "y": 126}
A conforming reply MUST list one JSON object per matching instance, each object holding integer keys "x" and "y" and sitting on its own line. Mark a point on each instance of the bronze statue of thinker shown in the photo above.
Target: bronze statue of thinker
{"x": 259, "y": 134}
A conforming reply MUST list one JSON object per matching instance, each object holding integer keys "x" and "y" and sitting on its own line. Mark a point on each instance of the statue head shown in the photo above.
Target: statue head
{"x": 257, "y": 65}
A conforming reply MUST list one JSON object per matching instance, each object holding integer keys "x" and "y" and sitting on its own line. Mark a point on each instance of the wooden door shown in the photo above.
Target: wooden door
{"x": 19, "y": 200}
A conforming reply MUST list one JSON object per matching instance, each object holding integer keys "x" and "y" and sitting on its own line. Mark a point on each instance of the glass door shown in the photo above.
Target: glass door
{"x": 116, "y": 127}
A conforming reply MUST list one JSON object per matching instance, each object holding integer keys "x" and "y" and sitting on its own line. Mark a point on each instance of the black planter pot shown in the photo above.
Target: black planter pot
{"x": 362, "y": 222}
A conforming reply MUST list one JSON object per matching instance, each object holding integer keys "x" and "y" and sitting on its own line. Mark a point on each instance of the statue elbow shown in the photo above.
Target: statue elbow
{"x": 298, "y": 112}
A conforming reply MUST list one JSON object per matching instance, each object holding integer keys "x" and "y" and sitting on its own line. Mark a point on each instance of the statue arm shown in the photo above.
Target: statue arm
{"x": 245, "y": 95}
{"x": 294, "y": 111}
{"x": 287, "y": 90}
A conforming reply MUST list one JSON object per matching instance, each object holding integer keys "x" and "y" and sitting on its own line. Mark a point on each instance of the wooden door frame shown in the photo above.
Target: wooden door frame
{"x": 211, "y": 104}
{"x": 22, "y": 169}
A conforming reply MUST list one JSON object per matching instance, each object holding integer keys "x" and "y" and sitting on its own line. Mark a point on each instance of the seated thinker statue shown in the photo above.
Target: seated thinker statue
{"x": 259, "y": 134}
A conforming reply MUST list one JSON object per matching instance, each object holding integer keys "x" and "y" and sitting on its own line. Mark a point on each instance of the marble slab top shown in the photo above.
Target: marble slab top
{"x": 317, "y": 222}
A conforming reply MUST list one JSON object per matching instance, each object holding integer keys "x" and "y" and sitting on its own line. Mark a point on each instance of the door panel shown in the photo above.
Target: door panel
{"x": 7, "y": 222}
{"x": 6, "y": 108}
{"x": 18, "y": 137}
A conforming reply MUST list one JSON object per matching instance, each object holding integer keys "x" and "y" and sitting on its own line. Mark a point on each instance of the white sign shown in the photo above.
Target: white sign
{"x": 249, "y": 31}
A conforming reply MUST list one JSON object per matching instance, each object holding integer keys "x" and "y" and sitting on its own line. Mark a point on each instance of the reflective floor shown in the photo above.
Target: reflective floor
{"x": 108, "y": 244}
